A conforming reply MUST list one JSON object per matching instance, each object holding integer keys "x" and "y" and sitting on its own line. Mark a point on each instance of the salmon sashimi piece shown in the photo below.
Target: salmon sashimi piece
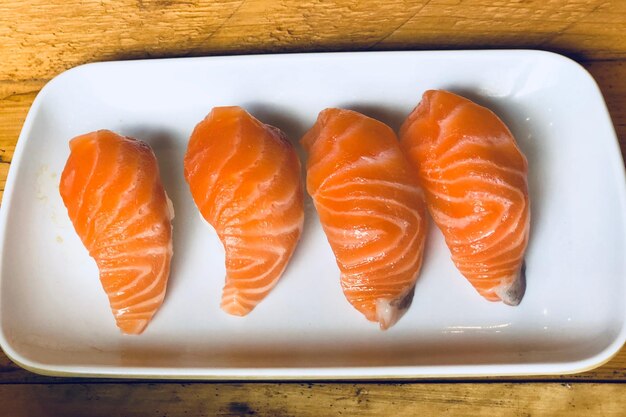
{"x": 475, "y": 179}
{"x": 116, "y": 202}
{"x": 371, "y": 208}
{"x": 244, "y": 177}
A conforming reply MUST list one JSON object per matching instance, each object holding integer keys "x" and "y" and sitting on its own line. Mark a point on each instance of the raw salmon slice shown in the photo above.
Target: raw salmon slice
{"x": 475, "y": 179}
{"x": 244, "y": 177}
{"x": 371, "y": 208}
{"x": 116, "y": 202}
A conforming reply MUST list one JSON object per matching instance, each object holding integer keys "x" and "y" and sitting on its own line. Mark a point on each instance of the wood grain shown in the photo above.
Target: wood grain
{"x": 282, "y": 400}
{"x": 39, "y": 38}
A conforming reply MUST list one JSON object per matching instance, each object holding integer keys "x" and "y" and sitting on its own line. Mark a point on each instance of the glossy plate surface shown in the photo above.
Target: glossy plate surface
{"x": 55, "y": 318}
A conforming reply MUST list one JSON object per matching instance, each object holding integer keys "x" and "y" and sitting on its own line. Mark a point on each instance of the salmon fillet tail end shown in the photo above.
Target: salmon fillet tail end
{"x": 388, "y": 312}
{"x": 511, "y": 291}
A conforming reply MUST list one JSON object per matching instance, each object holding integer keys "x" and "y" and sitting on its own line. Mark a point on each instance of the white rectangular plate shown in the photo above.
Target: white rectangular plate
{"x": 55, "y": 317}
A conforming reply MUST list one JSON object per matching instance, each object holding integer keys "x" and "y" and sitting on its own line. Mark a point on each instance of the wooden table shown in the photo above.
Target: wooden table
{"x": 41, "y": 38}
